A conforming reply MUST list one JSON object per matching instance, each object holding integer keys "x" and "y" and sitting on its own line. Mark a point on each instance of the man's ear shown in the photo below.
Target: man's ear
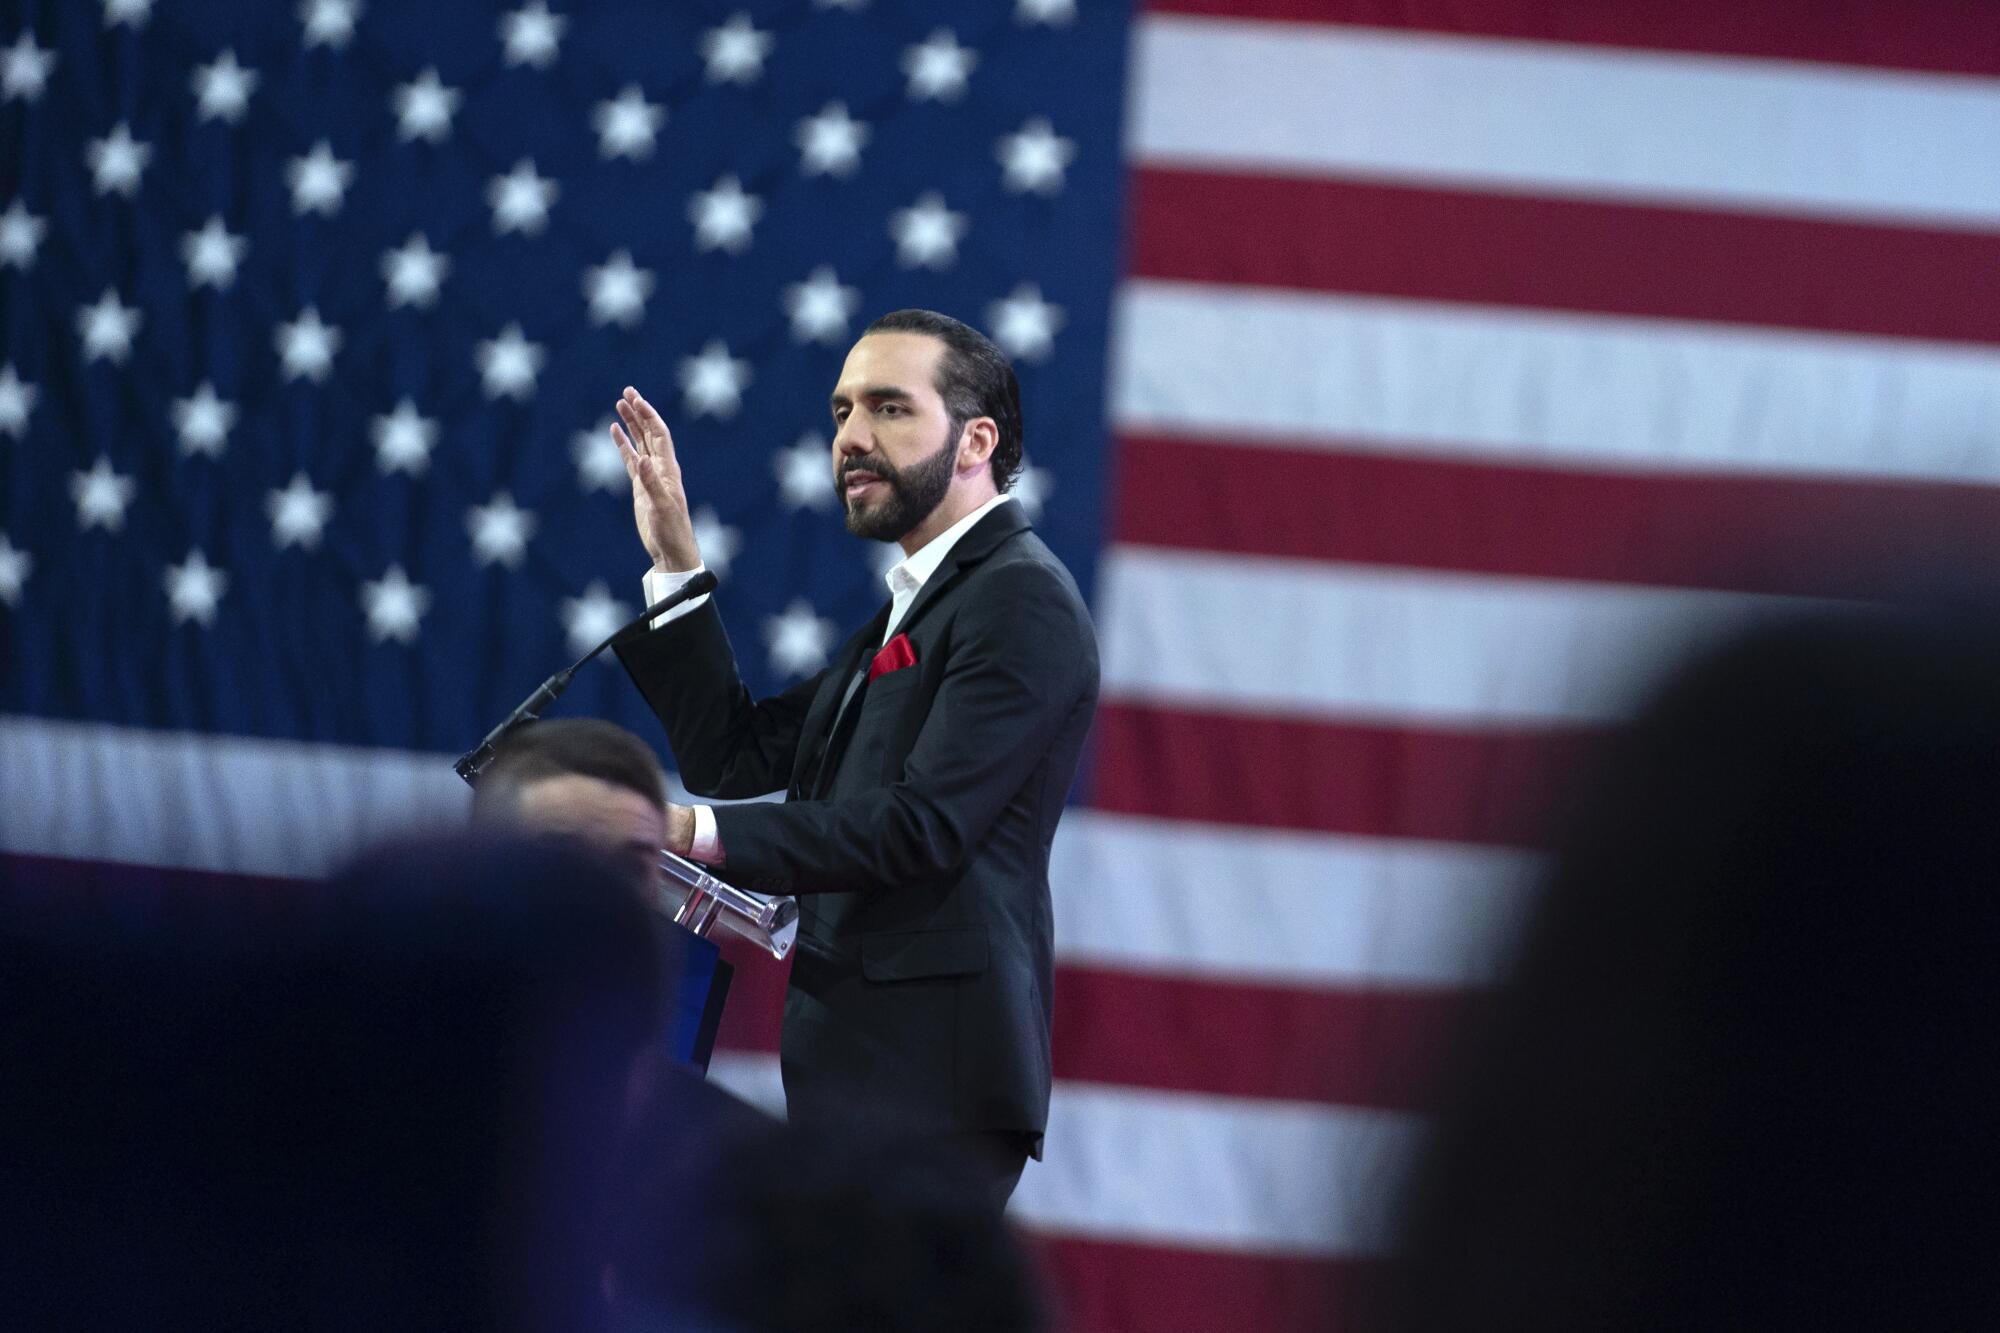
{"x": 977, "y": 442}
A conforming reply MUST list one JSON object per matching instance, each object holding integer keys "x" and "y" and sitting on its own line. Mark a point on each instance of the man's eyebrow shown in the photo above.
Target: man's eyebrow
{"x": 879, "y": 392}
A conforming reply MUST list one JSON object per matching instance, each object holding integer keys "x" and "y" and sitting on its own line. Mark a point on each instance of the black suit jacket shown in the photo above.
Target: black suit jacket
{"x": 916, "y": 829}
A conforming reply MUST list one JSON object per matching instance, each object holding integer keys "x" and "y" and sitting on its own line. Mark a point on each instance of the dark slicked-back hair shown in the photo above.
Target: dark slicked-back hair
{"x": 584, "y": 747}
{"x": 974, "y": 378}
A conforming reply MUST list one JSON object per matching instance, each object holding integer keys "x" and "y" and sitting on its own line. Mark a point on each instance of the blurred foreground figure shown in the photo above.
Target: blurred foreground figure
{"x": 1744, "y": 1073}
{"x": 380, "y": 1102}
{"x": 823, "y": 1227}
{"x": 584, "y": 778}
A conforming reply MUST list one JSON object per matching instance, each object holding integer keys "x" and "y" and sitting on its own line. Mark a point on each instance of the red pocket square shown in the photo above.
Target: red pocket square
{"x": 895, "y": 655}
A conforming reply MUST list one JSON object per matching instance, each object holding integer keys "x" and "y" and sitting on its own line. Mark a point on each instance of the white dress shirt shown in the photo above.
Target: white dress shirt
{"x": 906, "y": 578}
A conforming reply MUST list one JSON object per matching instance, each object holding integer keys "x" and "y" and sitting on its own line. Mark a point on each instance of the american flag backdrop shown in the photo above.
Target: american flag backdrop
{"x": 1403, "y": 379}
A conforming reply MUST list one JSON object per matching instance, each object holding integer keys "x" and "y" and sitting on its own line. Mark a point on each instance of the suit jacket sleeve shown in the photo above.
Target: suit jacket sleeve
{"x": 728, "y": 746}
{"x": 1023, "y": 662}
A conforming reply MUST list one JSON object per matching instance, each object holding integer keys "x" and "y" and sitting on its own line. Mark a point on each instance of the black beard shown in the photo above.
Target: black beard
{"x": 915, "y": 492}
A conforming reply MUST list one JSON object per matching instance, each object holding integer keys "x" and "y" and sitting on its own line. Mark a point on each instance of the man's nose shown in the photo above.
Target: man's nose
{"x": 852, "y": 439}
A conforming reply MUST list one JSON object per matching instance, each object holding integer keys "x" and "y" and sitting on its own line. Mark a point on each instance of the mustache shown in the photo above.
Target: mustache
{"x": 882, "y": 471}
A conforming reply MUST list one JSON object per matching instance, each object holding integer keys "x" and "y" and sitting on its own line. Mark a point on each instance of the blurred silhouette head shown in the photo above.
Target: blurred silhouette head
{"x": 759, "y": 1226}
{"x": 382, "y": 1100}
{"x": 585, "y": 779}
{"x": 1742, "y": 1074}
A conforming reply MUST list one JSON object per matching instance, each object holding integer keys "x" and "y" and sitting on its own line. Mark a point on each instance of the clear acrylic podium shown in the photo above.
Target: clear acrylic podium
{"x": 699, "y": 901}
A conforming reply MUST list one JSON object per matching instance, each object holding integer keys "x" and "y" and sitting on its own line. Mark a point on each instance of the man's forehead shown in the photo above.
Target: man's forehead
{"x": 894, "y": 360}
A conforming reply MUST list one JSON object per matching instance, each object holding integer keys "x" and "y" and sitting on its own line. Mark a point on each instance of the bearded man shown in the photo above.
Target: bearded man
{"x": 925, "y": 770}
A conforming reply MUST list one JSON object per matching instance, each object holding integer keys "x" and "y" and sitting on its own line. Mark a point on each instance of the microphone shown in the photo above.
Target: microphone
{"x": 474, "y": 761}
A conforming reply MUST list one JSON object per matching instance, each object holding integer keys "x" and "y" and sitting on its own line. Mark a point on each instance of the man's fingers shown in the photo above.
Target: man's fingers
{"x": 639, "y": 437}
{"x": 624, "y": 443}
{"x": 655, "y": 424}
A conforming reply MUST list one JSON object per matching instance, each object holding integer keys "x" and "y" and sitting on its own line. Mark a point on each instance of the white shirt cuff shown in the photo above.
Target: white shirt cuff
{"x": 707, "y": 846}
{"x": 660, "y": 583}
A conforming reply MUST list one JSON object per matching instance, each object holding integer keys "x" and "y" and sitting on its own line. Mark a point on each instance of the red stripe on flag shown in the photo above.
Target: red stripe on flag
{"x": 1736, "y": 532}
{"x": 1947, "y": 36}
{"x": 1490, "y": 786}
{"x": 1109, "y": 1287}
{"x": 1186, "y": 1034}
{"x": 1566, "y": 254}
{"x": 1237, "y": 1039}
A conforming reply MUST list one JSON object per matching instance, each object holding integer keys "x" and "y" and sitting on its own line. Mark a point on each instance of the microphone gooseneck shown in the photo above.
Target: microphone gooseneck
{"x": 474, "y": 761}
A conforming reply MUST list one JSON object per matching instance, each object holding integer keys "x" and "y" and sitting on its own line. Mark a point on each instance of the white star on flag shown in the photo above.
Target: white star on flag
{"x": 1024, "y": 324}
{"x": 499, "y": 530}
{"x": 508, "y": 365}
{"x": 403, "y": 440}
{"x": 627, "y": 124}
{"x": 21, "y": 235}
{"x": 108, "y": 327}
{"x": 820, "y": 307}
{"x": 127, "y": 13}
{"x": 798, "y": 639}
{"x": 424, "y": 108}
{"x": 520, "y": 199}
{"x": 830, "y": 143}
{"x": 298, "y": 513}
{"x": 938, "y": 68}
{"x": 117, "y": 160}
{"x": 723, "y": 216}
{"x": 101, "y": 496}
{"x": 212, "y": 254}
{"x": 1031, "y": 487}
{"x": 24, "y": 69}
{"x": 414, "y": 272}
{"x": 712, "y": 382}
{"x": 927, "y": 233}
{"x": 194, "y": 589}
{"x": 805, "y": 474}
{"x": 318, "y": 181}
{"x": 1052, "y": 12}
{"x": 306, "y": 346}
{"x": 531, "y": 34}
{"x": 394, "y": 606}
{"x": 329, "y": 23}
{"x": 17, "y": 400}
{"x": 15, "y": 566}
{"x": 617, "y": 291}
{"x": 735, "y": 51}
{"x": 592, "y": 618}
{"x": 203, "y": 422}
{"x": 1035, "y": 157}
{"x": 599, "y": 464}
{"x": 717, "y": 541}
{"x": 222, "y": 89}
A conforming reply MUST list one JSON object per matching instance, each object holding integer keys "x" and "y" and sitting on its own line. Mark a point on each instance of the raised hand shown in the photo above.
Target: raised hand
{"x": 659, "y": 501}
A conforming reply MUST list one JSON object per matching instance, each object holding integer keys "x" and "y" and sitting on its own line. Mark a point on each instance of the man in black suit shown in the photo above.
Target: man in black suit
{"x": 925, "y": 769}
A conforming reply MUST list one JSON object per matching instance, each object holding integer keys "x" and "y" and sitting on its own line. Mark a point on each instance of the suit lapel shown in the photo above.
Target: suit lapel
{"x": 819, "y": 739}
{"x": 824, "y": 713}
{"x": 987, "y": 534}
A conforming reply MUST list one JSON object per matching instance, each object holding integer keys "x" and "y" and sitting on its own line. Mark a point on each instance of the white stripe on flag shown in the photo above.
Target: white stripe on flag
{"x": 1143, "y": 894}
{"x": 93, "y": 792}
{"x": 1240, "y": 364}
{"x": 1542, "y": 118}
{"x": 1372, "y": 643}
{"x": 1317, "y": 909}
{"x": 1184, "y": 1169}
{"x": 1190, "y": 1170}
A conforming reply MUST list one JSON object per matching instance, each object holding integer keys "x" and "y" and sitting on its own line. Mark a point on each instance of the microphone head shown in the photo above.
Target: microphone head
{"x": 700, "y": 584}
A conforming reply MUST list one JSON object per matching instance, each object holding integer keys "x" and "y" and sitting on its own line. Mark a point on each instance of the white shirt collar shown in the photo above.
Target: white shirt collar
{"x": 910, "y": 573}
